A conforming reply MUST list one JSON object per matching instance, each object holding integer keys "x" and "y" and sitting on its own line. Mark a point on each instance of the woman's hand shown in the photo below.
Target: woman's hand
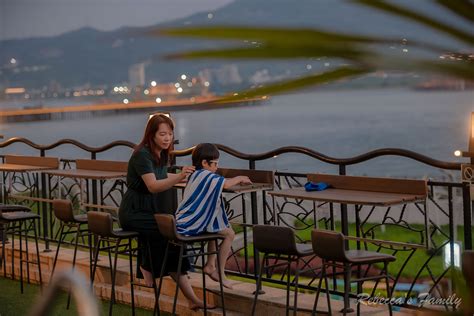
{"x": 186, "y": 171}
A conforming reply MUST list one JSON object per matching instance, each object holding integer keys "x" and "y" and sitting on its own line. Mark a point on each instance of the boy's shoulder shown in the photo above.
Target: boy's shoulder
{"x": 203, "y": 173}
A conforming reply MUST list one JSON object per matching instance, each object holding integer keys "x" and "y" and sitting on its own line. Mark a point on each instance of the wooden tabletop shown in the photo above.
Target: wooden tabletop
{"x": 10, "y": 167}
{"x": 87, "y": 174}
{"x": 239, "y": 188}
{"x": 349, "y": 196}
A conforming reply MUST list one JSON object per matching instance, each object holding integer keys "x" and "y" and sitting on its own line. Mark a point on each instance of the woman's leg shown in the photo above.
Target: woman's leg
{"x": 188, "y": 291}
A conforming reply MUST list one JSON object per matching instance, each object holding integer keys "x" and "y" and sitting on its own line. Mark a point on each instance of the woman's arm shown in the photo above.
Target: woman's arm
{"x": 230, "y": 182}
{"x": 154, "y": 185}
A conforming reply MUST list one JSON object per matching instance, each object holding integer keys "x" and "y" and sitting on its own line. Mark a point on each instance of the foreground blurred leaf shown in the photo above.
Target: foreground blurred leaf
{"x": 280, "y": 87}
{"x": 279, "y": 52}
{"x": 419, "y": 18}
{"x": 463, "y": 8}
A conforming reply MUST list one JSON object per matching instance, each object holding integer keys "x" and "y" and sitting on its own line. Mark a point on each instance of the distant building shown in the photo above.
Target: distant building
{"x": 225, "y": 76}
{"x": 136, "y": 75}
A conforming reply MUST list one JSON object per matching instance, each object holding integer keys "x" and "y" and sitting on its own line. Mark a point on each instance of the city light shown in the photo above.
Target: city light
{"x": 125, "y": 101}
{"x": 210, "y": 16}
{"x": 153, "y": 83}
{"x": 158, "y": 100}
{"x": 190, "y": 84}
{"x": 309, "y": 67}
{"x": 146, "y": 92}
{"x": 179, "y": 90}
{"x": 13, "y": 61}
{"x": 116, "y": 89}
{"x": 457, "y": 153}
{"x": 177, "y": 85}
{"x": 405, "y": 50}
{"x": 183, "y": 77}
{"x": 206, "y": 83}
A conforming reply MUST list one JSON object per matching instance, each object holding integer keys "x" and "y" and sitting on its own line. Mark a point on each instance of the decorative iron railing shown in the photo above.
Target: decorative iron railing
{"x": 417, "y": 267}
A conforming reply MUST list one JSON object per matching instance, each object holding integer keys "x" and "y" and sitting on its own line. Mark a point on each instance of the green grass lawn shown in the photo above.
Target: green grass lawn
{"x": 13, "y": 303}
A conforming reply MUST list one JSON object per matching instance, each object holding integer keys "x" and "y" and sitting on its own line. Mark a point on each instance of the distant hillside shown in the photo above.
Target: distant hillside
{"x": 91, "y": 56}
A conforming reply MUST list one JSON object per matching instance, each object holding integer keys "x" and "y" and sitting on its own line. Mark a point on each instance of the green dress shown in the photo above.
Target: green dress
{"x": 137, "y": 209}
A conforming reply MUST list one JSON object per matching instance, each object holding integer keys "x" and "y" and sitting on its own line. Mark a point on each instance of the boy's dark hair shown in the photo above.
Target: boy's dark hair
{"x": 204, "y": 151}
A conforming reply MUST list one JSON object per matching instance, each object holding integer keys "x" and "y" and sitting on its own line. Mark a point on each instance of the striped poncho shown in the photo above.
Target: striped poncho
{"x": 202, "y": 208}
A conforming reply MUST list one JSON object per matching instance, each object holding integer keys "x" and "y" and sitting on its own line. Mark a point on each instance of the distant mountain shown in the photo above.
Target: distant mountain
{"x": 91, "y": 56}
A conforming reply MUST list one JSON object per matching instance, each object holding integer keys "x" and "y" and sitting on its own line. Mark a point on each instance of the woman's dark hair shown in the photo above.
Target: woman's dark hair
{"x": 148, "y": 139}
{"x": 204, "y": 151}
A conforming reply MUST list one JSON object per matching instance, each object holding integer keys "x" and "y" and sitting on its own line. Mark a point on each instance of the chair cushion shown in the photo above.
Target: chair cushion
{"x": 14, "y": 208}
{"x": 120, "y": 233}
{"x": 201, "y": 237}
{"x": 304, "y": 249}
{"x": 81, "y": 218}
{"x": 363, "y": 256}
{"x": 17, "y": 216}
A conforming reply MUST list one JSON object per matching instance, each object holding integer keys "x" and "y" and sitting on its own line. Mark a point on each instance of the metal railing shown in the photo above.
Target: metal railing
{"x": 445, "y": 200}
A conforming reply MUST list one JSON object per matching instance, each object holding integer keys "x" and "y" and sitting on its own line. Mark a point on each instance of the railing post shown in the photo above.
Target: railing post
{"x": 94, "y": 184}
{"x": 253, "y": 205}
{"x": 344, "y": 220}
{"x": 466, "y": 199}
{"x": 44, "y": 207}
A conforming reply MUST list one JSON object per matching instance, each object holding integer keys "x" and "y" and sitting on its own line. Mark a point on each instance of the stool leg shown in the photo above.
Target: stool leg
{"x": 204, "y": 295}
{"x": 178, "y": 274}
{"x": 4, "y": 259}
{"x": 114, "y": 274}
{"x": 297, "y": 272}
{"x": 13, "y": 251}
{"x": 347, "y": 289}
{"x": 38, "y": 256}
{"x": 61, "y": 236}
{"x": 389, "y": 292}
{"x": 73, "y": 263}
{"x": 21, "y": 258}
{"x": 162, "y": 273}
{"x": 132, "y": 293}
{"x": 96, "y": 257}
{"x": 259, "y": 284}
{"x": 221, "y": 286}
{"x": 27, "y": 230}
{"x": 288, "y": 282}
{"x": 316, "y": 299}
{"x": 328, "y": 296}
{"x": 156, "y": 309}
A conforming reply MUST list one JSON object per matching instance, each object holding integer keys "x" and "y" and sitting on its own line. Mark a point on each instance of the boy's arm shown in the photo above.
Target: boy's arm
{"x": 230, "y": 182}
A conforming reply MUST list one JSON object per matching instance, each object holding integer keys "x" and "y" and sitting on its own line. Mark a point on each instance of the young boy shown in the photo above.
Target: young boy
{"x": 202, "y": 208}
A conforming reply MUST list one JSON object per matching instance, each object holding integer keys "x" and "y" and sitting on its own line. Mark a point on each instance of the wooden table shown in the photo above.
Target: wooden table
{"x": 87, "y": 169}
{"x": 22, "y": 164}
{"x": 14, "y": 164}
{"x": 361, "y": 191}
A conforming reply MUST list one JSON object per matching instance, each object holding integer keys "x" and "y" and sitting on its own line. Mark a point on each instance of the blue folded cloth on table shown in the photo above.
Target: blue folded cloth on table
{"x": 313, "y": 186}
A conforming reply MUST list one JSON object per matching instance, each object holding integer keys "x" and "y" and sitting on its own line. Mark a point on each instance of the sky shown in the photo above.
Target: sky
{"x": 35, "y": 18}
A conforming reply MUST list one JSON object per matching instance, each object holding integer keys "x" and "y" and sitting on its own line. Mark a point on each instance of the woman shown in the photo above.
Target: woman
{"x": 148, "y": 184}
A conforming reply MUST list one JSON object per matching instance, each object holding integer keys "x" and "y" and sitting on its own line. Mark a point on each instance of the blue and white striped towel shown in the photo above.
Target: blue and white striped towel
{"x": 202, "y": 208}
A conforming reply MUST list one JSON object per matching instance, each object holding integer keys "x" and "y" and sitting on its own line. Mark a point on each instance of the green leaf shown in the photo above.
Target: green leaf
{"x": 419, "y": 18}
{"x": 295, "y": 84}
{"x": 287, "y": 37}
{"x": 279, "y": 52}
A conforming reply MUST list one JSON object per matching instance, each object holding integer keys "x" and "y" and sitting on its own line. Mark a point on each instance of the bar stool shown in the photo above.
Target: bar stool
{"x": 15, "y": 217}
{"x": 101, "y": 225}
{"x": 329, "y": 246}
{"x": 167, "y": 227}
{"x": 275, "y": 242}
{"x": 63, "y": 211}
